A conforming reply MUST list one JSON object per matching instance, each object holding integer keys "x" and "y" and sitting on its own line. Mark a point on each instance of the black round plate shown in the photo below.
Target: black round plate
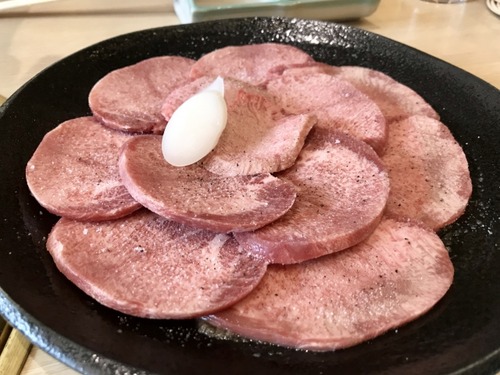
{"x": 460, "y": 335}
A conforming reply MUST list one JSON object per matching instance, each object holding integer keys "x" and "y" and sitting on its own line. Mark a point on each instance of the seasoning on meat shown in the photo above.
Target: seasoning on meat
{"x": 130, "y": 98}
{"x": 350, "y": 233}
{"x": 258, "y": 138}
{"x": 195, "y": 196}
{"x": 253, "y": 63}
{"x": 342, "y": 189}
{"x": 400, "y": 272}
{"x": 147, "y": 266}
{"x": 335, "y": 103}
{"x": 396, "y": 100}
{"x": 429, "y": 173}
{"x": 74, "y": 172}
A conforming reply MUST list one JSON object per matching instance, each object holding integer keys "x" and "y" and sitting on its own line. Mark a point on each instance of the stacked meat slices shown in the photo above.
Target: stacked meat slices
{"x": 310, "y": 225}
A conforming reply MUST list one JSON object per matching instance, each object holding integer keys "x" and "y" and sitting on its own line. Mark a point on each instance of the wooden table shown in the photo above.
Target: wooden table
{"x": 32, "y": 38}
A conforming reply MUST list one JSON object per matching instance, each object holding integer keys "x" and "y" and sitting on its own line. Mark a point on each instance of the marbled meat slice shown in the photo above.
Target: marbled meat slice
{"x": 130, "y": 98}
{"x": 396, "y": 101}
{"x": 336, "y": 103}
{"x": 74, "y": 172}
{"x": 399, "y": 273}
{"x": 195, "y": 196}
{"x": 253, "y": 63}
{"x": 258, "y": 138}
{"x": 147, "y": 266}
{"x": 429, "y": 173}
{"x": 342, "y": 189}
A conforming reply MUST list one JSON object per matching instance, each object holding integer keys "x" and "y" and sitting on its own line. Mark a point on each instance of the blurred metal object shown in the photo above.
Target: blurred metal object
{"x": 201, "y": 10}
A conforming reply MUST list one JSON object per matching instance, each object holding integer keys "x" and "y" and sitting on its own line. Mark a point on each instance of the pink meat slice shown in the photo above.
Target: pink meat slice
{"x": 253, "y": 63}
{"x": 130, "y": 98}
{"x": 336, "y": 103}
{"x": 258, "y": 137}
{"x": 74, "y": 172}
{"x": 147, "y": 266}
{"x": 197, "y": 197}
{"x": 399, "y": 273}
{"x": 396, "y": 101}
{"x": 430, "y": 179}
{"x": 342, "y": 189}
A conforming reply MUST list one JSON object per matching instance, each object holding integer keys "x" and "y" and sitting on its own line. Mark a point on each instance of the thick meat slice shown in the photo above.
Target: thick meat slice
{"x": 74, "y": 172}
{"x": 198, "y": 197}
{"x": 429, "y": 173}
{"x": 335, "y": 102}
{"x": 340, "y": 300}
{"x": 254, "y": 63}
{"x": 395, "y": 100}
{"x": 342, "y": 188}
{"x": 130, "y": 98}
{"x": 148, "y": 266}
{"x": 258, "y": 137}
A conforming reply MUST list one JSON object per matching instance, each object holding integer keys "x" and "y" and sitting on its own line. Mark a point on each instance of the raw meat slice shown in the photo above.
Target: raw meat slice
{"x": 396, "y": 101}
{"x": 197, "y": 197}
{"x": 429, "y": 173}
{"x": 335, "y": 102}
{"x": 342, "y": 189}
{"x": 147, "y": 266}
{"x": 258, "y": 137}
{"x": 254, "y": 63}
{"x": 74, "y": 172}
{"x": 400, "y": 272}
{"x": 130, "y": 98}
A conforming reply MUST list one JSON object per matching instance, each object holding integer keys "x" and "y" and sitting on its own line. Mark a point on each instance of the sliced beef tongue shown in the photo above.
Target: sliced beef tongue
{"x": 395, "y": 99}
{"x": 336, "y": 103}
{"x": 258, "y": 137}
{"x": 147, "y": 266}
{"x": 342, "y": 189}
{"x": 430, "y": 179}
{"x": 254, "y": 63}
{"x": 130, "y": 98}
{"x": 342, "y": 299}
{"x": 74, "y": 172}
{"x": 198, "y": 197}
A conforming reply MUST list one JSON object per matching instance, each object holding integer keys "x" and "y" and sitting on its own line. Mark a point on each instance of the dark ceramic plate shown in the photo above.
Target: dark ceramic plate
{"x": 460, "y": 335}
